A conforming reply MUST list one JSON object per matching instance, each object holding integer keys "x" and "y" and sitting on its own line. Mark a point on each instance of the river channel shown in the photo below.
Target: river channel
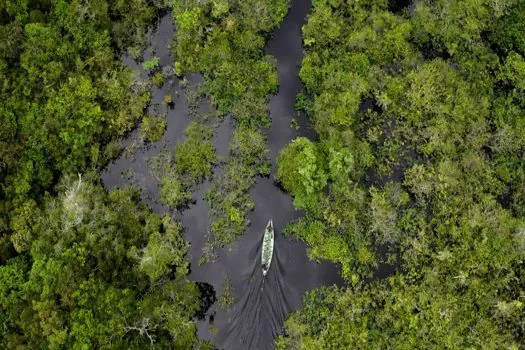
{"x": 261, "y": 306}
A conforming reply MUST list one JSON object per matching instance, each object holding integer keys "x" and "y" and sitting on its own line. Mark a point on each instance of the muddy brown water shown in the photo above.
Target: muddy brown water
{"x": 261, "y": 305}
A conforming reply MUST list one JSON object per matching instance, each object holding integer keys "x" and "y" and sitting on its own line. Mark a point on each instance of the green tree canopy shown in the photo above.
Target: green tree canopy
{"x": 104, "y": 272}
{"x": 428, "y": 179}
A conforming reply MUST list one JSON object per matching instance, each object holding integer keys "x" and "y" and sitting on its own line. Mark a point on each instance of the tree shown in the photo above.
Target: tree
{"x": 301, "y": 170}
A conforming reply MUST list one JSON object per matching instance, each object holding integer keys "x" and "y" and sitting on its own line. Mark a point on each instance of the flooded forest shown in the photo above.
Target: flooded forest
{"x": 147, "y": 147}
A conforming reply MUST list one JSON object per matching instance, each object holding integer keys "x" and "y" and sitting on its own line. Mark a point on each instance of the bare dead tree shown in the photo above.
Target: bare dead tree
{"x": 143, "y": 327}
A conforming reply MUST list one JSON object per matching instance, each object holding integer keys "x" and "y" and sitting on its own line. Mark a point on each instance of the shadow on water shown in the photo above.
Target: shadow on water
{"x": 261, "y": 306}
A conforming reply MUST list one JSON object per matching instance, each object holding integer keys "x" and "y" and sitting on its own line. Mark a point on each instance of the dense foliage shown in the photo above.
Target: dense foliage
{"x": 420, "y": 114}
{"x": 81, "y": 268}
{"x": 225, "y": 40}
{"x": 64, "y": 93}
{"x": 102, "y": 271}
{"x": 419, "y": 166}
{"x": 152, "y": 128}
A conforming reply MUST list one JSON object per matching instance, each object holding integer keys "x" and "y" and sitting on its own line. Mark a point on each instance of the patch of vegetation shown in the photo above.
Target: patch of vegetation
{"x": 188, "y": 166}
{"x": 226, "y": 299}
{"x": 229, "y": 196}
{"x": 301, "y": 172}
{"x": 195, "y": 157}
{"x": 151, "y": 64}
{"x": 173, "y": 191}
{"x": 225, "y": 40}
{"x": 168, "y": 100}
{"x": 152, "y": 128}
{"x": 209, "y": 252}
{"x": 158, "y": 79}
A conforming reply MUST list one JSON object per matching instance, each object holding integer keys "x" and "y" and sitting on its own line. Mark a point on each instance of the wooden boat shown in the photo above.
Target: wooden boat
{"x": 267, "y": 248}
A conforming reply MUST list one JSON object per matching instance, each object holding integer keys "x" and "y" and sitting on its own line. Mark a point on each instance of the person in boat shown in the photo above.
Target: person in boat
{"x": 264, "y": 267}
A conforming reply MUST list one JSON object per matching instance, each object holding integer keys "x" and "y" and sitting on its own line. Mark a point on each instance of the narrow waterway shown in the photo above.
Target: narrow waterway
{"x": 261, "y": 306}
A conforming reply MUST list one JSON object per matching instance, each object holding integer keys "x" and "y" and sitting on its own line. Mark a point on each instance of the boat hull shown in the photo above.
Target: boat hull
{"x": 267, "y": 248}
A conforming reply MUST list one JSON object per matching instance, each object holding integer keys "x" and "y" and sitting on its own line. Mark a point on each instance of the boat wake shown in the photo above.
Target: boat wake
{"x": 259, "y": 313}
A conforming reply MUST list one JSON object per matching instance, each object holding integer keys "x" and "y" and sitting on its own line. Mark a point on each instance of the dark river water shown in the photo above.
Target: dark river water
{"x": 261, "y": 306}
